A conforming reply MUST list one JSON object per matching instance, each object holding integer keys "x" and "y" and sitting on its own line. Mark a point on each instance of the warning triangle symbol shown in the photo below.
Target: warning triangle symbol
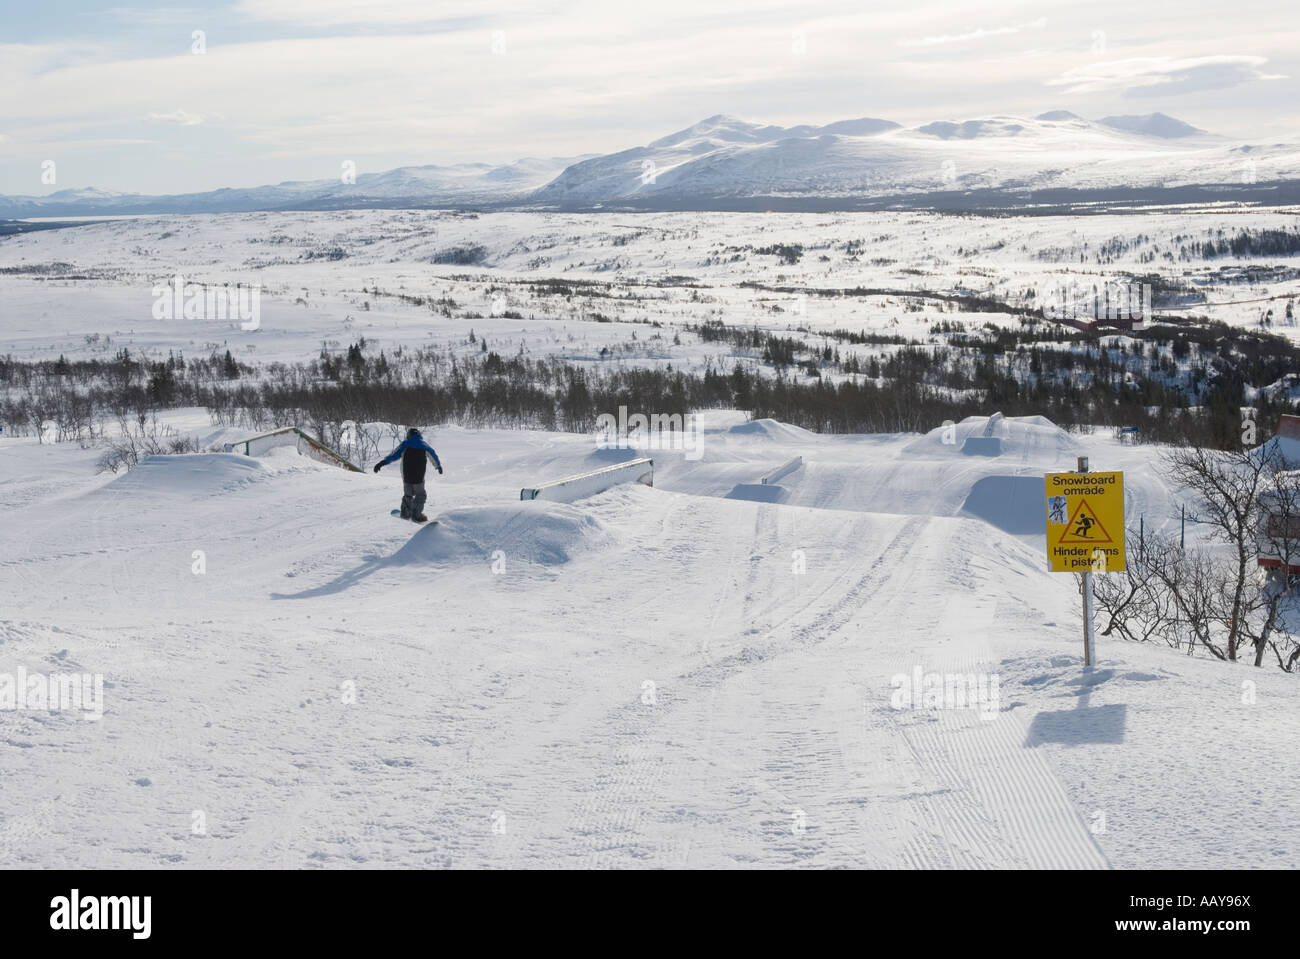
{"x": 1084, "y": 527}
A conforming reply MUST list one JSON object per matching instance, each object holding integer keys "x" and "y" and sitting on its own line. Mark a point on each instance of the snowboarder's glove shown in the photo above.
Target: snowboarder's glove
{"x": 439, "y": 470}
{"x": 378, "y": 467}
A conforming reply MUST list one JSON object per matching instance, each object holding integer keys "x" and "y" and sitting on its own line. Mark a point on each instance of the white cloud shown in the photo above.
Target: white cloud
{"x": 978, "y": 34}
{"x": 354, "y": 12}
{"x": 181, "y": 117}
{"x": 1163, "y": 76}
{"x": 155, "y": 16}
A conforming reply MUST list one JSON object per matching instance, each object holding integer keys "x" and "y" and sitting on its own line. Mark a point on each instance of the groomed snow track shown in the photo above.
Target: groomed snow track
{"x": 647, "y": 678}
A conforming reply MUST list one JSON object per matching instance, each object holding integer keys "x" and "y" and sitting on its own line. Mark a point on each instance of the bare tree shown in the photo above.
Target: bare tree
{"x": 1197, "y": 598}
{"x": 1132, "y": 602}
{"x": 1197, "y": 587}
{"x": 1278, "y": 538}
{"x": 1226, "y": 487}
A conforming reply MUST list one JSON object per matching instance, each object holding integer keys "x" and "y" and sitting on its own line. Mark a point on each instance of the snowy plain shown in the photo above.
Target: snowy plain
{"x": 568, "y": 285}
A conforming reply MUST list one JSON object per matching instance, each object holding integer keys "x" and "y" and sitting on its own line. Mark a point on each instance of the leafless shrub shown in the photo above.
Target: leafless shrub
{"x": 124, "y": 449}
{"x": 1215, "y": 598}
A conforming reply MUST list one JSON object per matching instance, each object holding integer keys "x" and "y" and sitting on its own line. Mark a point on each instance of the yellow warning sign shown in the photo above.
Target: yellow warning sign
{"x": 1085, "y": 522}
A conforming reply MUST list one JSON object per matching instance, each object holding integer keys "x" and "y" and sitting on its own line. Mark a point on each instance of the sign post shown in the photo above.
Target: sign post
{"x": 1085, "y": 532}
{"x": 1088, "y": 659}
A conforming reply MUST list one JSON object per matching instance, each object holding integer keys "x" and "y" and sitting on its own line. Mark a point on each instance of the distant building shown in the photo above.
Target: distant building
{"x": 1120, "y": 306}
{"x": 1278, "y": 537}
{"x": 1286, "y": 441}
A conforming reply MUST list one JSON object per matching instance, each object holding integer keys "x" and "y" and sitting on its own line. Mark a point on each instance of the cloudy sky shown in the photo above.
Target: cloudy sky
{"x": 128, "y": 98}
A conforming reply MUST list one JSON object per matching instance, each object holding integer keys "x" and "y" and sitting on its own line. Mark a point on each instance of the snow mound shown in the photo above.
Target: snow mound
{"x": 189, "y": 475}
{"x": 547, "y": 534}
{"x": 991, "y": 436}
{"x": 1014, "y": 504}
{"x": 612, "y": 455}
{"x": 770, "y": 429}
{"x": 1035, "y": 420}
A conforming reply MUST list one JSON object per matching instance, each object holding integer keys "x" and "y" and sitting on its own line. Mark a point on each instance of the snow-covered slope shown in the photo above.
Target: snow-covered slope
{"x": 649, "y": 677}
{"x": 723, "y": 157}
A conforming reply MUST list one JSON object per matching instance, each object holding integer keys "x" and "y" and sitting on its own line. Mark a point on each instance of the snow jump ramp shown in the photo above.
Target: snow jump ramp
{"x": 989, "y": 443}
{"x": 1013, "y": 504}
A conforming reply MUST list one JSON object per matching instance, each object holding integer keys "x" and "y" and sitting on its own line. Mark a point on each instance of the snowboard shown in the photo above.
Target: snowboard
{"x": 398, "y": 513}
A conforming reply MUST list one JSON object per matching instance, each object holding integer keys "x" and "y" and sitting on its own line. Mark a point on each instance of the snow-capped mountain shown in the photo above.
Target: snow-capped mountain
{"x": 467, "y": 183}
{"x": 719, "y": 156}
{"x": 725, "y": 158}
{"x": 725, "y": 163}
{"x": 1153, "y": 124}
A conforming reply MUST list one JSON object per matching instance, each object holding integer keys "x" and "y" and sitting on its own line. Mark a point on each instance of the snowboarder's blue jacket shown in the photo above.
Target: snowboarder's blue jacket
{"x": 412, "y": 451}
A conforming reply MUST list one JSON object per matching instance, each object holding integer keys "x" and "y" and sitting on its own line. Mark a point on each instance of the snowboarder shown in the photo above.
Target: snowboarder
{"x": 412, "y": 451}
{"x": 1085, "y": 524}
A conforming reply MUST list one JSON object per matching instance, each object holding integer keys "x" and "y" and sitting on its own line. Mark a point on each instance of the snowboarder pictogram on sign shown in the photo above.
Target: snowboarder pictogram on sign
{"x": 1084, "y": 527}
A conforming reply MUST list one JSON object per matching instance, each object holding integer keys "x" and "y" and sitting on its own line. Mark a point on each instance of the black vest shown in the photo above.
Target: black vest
{"x": 414, "y": 462}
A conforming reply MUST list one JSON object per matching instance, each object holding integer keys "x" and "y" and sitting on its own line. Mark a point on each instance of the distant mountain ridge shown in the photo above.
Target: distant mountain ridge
{"x": 466, "y": 183}
{"x": 723, "y": 162}
{"x": 1153, "y": 124}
